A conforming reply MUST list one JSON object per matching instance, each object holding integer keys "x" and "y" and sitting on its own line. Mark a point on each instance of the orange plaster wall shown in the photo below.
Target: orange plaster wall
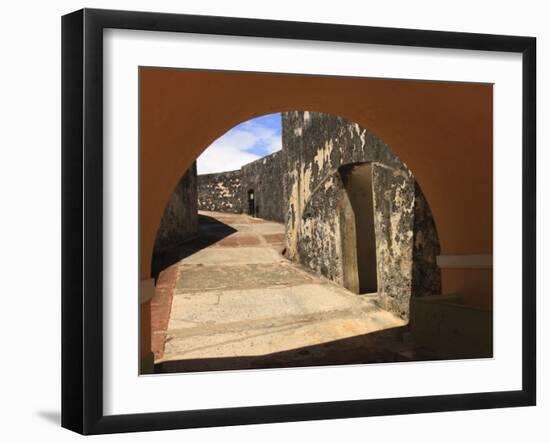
{"x": 442, "y": 131}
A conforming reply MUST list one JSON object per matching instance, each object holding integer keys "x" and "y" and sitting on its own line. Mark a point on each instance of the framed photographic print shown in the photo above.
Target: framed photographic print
{"x": 269, "y": 221}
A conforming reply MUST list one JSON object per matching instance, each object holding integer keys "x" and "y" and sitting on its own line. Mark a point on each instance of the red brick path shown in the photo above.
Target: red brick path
{"x": 161, "y": 304}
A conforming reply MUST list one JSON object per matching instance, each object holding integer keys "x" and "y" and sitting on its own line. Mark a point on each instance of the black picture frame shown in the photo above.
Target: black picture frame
{"x": 82, "y": 218}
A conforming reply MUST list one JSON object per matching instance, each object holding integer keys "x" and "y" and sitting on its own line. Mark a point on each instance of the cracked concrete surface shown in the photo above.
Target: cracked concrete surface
{"x": 240, "y": 298}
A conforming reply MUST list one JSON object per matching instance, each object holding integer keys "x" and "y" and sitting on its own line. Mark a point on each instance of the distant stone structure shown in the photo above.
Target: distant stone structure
{"x": 221, "y": 192}
{"x": 353, "y": 211}
{"x": 255, "y": 189}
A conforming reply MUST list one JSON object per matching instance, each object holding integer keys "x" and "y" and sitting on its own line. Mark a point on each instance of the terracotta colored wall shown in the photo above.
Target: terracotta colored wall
{"x": 442, "y": 131}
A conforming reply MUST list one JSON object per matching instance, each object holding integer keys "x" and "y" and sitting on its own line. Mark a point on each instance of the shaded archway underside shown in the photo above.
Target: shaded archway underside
{"x": 442, "y": 131}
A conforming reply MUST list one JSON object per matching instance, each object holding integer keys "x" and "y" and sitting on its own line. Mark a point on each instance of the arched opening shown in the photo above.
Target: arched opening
{"x": 338, "y": 203}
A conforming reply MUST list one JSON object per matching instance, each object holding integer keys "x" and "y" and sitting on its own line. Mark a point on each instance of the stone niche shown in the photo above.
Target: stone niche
{"x": 355, "y": 213}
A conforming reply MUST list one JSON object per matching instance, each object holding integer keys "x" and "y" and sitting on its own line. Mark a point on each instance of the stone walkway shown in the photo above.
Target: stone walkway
{"x": 238, "y": 303}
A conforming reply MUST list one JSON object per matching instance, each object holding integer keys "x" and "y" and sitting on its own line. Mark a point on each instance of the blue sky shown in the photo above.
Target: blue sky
{"x": 244, "y": 143}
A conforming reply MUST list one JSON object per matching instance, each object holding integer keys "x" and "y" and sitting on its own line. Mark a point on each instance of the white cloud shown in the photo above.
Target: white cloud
{"x": 268, "y": 138}
{"x": 227, "y": 153}
{"x": 239, "y": 146}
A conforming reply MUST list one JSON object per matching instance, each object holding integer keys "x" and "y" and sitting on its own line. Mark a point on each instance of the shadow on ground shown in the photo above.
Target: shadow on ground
{"x": 388, "y": 346}
{"x": 210, "y": 231}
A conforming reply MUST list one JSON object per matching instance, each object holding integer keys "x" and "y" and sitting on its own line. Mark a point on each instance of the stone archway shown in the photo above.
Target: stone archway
{"x": 431, "y": 126}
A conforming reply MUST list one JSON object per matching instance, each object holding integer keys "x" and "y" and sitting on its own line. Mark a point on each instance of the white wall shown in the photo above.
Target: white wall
{"x": 30, "y": 216}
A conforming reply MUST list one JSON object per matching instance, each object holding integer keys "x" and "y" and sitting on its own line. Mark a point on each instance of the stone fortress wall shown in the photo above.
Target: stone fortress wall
{"x": 323, "y": 223}
{"x": 220, "y": 192}
{"x": 180, "y": 219}
{"x": 229, "y": 191}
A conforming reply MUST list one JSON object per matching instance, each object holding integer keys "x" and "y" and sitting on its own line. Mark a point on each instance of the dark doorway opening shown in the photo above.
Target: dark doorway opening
{"x": 358, "y": 183}
{"x": 251, "y": 203}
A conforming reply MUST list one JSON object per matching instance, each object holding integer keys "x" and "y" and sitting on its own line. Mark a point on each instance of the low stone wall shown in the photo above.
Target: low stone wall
{"x": 220, "y": 192}
{"x": 180, "y": 219}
